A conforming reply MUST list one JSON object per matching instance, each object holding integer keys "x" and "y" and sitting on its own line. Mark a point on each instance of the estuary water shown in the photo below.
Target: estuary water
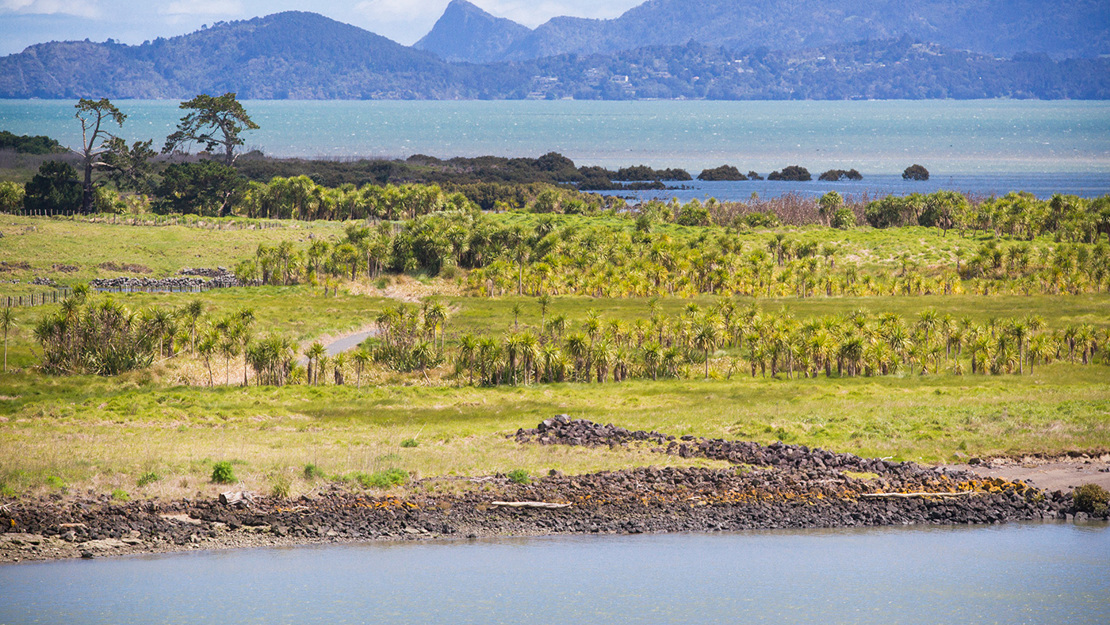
{"x": 950, "y": 138}
{"x": 1019, "y": 573}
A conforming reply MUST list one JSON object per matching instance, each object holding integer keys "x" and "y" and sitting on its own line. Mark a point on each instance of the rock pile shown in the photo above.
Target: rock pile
{"x": 562, "y": 430}
{"x": 218, "y": 272}
{"x": 191, "y": 282}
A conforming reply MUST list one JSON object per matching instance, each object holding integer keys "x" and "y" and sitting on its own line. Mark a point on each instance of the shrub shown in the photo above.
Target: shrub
{"x": 843, "y": 219}
{"x": 693, "y": 214}
{"x": 11, "y": 197}
{"x": 222, "y": 473}
{"x": 148, "y": 478}
{"x": 758, "y": 220}
{"x": 312, "y": 472}
{"x": 382, "y": 479}
{"x": 280, "y": 486}
{"x": 54, "y": 481}
{"x": 519, "y": 476}
{"x": 120, "y": 495}
{"x": 1092, "y": 499}
{"x": 409, "y": 442}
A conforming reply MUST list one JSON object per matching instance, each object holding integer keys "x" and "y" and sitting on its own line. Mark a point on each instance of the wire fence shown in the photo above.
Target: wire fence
{"x": 53, "y": 297}
{"x": 35, "y": 299}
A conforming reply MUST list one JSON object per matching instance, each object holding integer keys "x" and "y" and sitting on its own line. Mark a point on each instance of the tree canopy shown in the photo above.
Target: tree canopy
{"x": 215, "y": 123}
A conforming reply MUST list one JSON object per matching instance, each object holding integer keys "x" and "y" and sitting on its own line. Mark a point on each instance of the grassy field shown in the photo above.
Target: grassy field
{"x": 106, "y": 433}
{"x": 71, "y": 251}
{"x": 85, "y": 432}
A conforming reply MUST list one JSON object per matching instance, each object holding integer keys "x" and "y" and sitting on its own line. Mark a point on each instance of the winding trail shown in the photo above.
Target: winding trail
{"x": 341, "y": 343}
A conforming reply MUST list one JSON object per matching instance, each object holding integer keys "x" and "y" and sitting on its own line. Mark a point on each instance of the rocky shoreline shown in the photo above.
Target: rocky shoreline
{"x": 766, "y": 487}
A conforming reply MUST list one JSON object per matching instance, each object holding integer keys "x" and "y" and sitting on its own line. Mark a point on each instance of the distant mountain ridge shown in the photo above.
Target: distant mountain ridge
{"x": 1077, "y": 28}
{"x": 297, "y": 55}
{"x": 465, "y": 32}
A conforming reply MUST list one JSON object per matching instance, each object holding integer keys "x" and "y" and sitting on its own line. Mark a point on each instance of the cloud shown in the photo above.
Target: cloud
{"x": 80, "y": 8}
{"x": 401, "y": 10}
{"x": 533, "y": 13}
{"x": 204, "y": 7}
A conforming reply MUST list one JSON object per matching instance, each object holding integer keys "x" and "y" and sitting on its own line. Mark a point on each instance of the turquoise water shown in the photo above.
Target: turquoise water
{"x": 1050, "y": 573}
{"x": 950, "y": 138}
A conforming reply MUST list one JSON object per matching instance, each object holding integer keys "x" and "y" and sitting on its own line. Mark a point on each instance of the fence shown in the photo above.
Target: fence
{"x": 35, "y": 299}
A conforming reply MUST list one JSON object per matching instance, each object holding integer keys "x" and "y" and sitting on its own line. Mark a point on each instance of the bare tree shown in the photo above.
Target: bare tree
{"x": 96, "y": 141}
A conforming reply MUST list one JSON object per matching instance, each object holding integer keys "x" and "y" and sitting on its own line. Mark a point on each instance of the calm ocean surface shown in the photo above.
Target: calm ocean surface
{"x": 1011, "y": 574}
{"x": 882, "y": 137}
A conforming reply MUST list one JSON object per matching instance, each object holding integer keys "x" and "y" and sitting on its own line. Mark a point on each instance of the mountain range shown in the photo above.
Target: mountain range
{"x": 709, "y": 49}
{"x": 1076, "y": 28}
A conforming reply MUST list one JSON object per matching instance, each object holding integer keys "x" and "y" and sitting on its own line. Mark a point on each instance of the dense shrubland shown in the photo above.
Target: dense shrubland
{"x": 644, "y": 252}
{"x": 726, "y": 339}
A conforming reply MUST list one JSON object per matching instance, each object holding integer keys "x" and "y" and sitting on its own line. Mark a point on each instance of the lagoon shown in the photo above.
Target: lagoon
{"x": 1017, "y": 573}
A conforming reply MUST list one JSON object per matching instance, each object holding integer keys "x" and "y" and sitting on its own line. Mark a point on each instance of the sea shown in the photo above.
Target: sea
{"x": 981, "y": 147}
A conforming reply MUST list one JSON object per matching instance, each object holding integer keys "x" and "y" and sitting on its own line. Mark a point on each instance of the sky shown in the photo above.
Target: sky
{"x": 26, "y": 22}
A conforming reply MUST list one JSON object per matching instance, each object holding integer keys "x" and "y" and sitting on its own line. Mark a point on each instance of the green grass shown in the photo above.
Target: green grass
{"x": 164, "y": 250}
{"x": 92, "y": 437}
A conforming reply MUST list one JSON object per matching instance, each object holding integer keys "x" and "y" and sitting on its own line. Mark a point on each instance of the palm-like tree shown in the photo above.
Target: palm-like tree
{"x": 706, "y": 338}
{"x": 544, "y": 301}
{"x": 554, "y": 363}
{"x": 468, "y": 347}
{"x": 206, "y": 348}
{"x": 529, "y": 347}
{"x": 361, "y": 358}
{"x": 192, "y": 313}
{"x": 1019, "y": 331}
{"x": 579, "y": 349}
{"x": 435, "y": 315}
{"x": 245, "y": 318}
{"x": 652, "y": 355}
{"x": 602, "y": 355}
{"x": 314, "y": 353}
{"x": 339, "y": 362}
{"x": 229, "y": 348}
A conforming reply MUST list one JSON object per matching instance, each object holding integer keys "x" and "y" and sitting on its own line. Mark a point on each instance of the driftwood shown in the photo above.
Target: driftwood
{"x": 529, "y": 504}
{"x": 237, "y": 498}
{"x": 911, "y": 495}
